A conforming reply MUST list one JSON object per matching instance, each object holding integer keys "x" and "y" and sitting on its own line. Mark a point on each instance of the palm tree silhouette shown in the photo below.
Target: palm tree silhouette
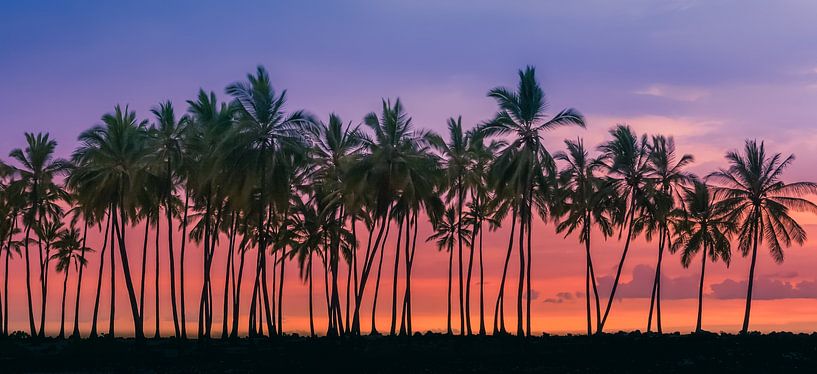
{"x": 69, "y": 252}
{"x": 584, "y": 200}
{"x": 625, "y": 160}
{"x": 37, "y": 171}
{"x": 108, "y": 161}
{"x": 524, "y": 163}
{"x": 705, "y": 227}
{"x": 761, "y": 204}
{"x": 666, "y": 176}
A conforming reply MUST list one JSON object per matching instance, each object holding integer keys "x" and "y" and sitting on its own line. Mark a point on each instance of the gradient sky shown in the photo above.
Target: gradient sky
{"x": 710, "y": 73}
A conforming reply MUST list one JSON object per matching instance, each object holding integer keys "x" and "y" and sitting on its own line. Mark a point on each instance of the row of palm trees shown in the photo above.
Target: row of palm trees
{"x": 268, "y": 187}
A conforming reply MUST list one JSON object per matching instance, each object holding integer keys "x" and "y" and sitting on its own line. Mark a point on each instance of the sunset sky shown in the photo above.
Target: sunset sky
{"x": 709, "y": 73}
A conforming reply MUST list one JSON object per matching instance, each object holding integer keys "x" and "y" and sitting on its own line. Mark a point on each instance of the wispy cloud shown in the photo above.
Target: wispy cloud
{"x": 672, "y": 92}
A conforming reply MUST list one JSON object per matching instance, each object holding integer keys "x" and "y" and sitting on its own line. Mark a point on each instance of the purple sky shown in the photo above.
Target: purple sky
{"x": 711, "y": 73}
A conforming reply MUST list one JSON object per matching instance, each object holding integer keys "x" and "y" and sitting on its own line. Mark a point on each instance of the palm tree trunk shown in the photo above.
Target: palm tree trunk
{"x": 114, "y": 238}
{"x": 43, "y": 285}
{"x": 407, "y": 258}
{"x": 755, "y": 230}
{"x": 481, "y": 284}
{"x": 108, "y": 225}
{"x": 450, "y": 266}
{"x": 311, "y": 317}
{"x": 6, "y": 286}
{"x": 75, "y": 333}
{"x": 172, "y": 265}
{"x": 499, "y": 310}
{"x": 528, "y": 272}
{"x": 587, "y": 276}
{"x": 460, "y": 199}
{"x": 520, "y": 330}
{"x": 620, "y": 264}
{"x": 228, "y": 267}
{"x": 377, "y": 282}
{"x": 280, "y": 322}
{"x": 61, "y": 335}
{"x": 144, "y": 266}
{"x": 156, "y": 278}
{"x": 182, "y": 313}
{"x": 32, "y": 327}
{"x": 237, "y": 298}
{"x": 657, "y": 279}
{"x": 468, "y": 282}
{"x": 123, "y": 255}
{"x": 701, "y": 289}
{"x": 393, "y": 327}
{"x": 368, "y": 262}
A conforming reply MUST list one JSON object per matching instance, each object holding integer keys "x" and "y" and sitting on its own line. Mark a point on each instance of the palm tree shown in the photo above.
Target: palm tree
{"x": 384, "y": 173}
{"x": 625, "y": 160}
{"x": 666, "y": 175}
{"x": 480, "y": 208}
{"x": 69, "y": 251}
{"x": 524, "y": 163}
{"x": 446, "y": 233}
{"x": 761, "y": 204}
{"x": 48, "y": 232}
{"x": 107, "y": 164}
{"x": 335, "y": 148}
{"x": 167, "y": 139}
{"x": 269, "y": 138}
{"x": 705, "y": 227}
{"x": 584, "y": 200}
{"x": 37, "y": 171}
{"x": 457, "y": 161}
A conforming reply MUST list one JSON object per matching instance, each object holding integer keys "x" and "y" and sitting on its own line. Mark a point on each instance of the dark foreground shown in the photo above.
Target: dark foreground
{"x": 431, "y": 353}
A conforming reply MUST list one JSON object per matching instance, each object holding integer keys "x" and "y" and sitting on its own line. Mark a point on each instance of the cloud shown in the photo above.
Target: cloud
{"x": 534, "y": 294}
{"x": 562, "y": 297}
{"x": 765, "y": 289}
{"x": 677, "y": 93}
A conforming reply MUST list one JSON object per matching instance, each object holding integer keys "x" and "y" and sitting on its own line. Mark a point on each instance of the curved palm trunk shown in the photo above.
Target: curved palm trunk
{"x": 655, "y": 299}
{"x": 6, "y": 279}
{"x": 156, "y": 280}
{"x": 459, "y": 255}
{"x": 32, "y": 327}
{"x": 587, "y": 278}
{"x": 481, "y": 283}
{"x": 237, "y": 297}
{"x": 745, "y": 327}
{"x": 528, "y": 273}
{"x": 123, "y": 255}
{"x": 182, "y": 313}
{"x": 499, "y": 310}
{"x": 112, "y": 314}
{"x": 468, "y": 283}
{"x": 280, "y": 322}
{"x": 393, "y": 327}
{"x": 368, "y": 262}
{"x": 377, "y": 283}
{"x": 520, "y": 330}
{"x": 75, "y": 333}
{"x": 409, "y": 256}
{"x": 620, "y": 265}
{"x": 450, "y": 266}
{"x": 61, "y": 335}
{"x": 701, "y": 289}
{"x": 44, "y": 285}
{"x": 108, "y": 226}
{"x": 144, "y": 267}
{"x": 311, "y": 317}
{"x": 172, "y": 266}
{"x": 228, "y": 267}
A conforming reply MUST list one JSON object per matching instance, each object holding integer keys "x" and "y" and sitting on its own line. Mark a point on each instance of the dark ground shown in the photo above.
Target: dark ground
{"x": 431, "y": 353}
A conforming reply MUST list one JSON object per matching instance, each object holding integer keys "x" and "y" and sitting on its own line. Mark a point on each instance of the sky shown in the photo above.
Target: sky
{"x": 709, "y": 73}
